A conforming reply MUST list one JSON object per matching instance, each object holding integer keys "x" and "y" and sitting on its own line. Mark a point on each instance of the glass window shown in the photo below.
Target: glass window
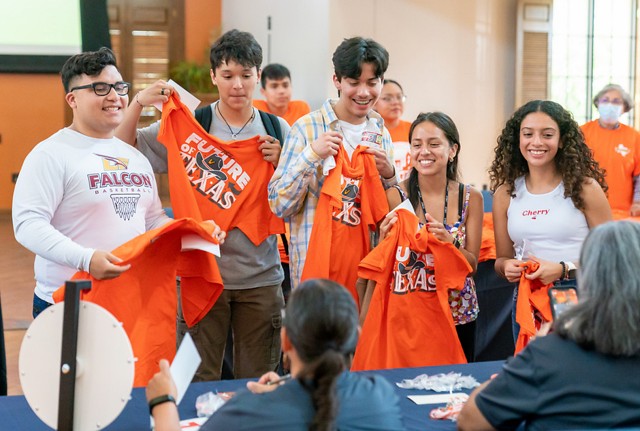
{"x": 582, "y": 63}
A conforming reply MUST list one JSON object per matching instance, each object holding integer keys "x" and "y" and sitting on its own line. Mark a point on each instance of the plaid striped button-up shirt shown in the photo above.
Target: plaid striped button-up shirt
{"x": 295, "y": 186}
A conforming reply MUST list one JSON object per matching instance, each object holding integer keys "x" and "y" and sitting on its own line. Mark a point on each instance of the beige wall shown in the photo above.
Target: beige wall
{"x": 456, "y": 56}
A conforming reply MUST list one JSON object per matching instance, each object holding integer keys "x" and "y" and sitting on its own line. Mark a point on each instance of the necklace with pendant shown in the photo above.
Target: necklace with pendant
{"x": 234, "y": 135}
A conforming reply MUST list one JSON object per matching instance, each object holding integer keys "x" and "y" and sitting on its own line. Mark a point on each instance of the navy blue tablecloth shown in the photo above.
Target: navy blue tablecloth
{"x": 15, "y": 413}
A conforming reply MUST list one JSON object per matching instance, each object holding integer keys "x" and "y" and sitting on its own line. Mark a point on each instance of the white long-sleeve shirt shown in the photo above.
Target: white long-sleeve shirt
{"x": 76, "y": 194}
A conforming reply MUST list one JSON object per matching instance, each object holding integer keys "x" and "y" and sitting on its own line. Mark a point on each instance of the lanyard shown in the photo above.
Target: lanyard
{"x": 446, "y": 203}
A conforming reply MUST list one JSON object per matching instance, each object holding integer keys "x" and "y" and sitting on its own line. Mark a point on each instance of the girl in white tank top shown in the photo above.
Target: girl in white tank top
{"x": 546, "y": 225}
{"x": 548, "y": 193}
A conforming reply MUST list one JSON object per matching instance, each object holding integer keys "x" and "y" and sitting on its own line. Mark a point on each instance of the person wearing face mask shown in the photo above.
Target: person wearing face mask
{"x": 616, "y": 148}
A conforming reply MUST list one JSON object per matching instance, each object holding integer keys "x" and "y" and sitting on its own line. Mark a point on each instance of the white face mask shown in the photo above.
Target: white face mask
{"x": 609, "y": 113}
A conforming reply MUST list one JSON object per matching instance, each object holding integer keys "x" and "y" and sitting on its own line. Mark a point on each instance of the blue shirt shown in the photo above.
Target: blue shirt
{"x": 364, "y": 403}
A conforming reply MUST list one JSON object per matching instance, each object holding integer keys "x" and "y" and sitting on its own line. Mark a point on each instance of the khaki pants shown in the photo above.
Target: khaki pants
{"x": 254, "y": 316}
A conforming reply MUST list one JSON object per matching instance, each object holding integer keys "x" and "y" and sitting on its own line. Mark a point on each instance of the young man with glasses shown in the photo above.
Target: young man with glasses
{"x": 83, "y": 191}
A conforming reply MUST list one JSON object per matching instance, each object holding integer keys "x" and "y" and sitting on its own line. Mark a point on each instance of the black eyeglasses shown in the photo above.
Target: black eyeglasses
{"x": 102, "y": 88}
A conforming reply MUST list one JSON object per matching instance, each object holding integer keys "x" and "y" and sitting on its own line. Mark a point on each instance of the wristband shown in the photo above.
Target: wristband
{"x": 571, "y": 271}
{"x": 137, "y": 101}
{"x": 160, "y": 400}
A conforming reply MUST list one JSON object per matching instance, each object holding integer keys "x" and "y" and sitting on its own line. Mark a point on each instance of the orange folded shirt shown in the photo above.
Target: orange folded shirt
{"x": 409, "y": 322}
{"x": 533, "y": 297}
{"x": 351, "y": 202}
{"x": 144, "y": 298}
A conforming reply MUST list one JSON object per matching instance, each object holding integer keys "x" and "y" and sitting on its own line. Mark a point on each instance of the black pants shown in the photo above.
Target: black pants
{"x": 467, "y": 337}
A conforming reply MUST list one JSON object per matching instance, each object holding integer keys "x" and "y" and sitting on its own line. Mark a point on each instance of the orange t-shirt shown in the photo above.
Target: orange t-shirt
{"x": 624, "y": 215}
{"x": 295, "y": 110}
{"x": 144, "y": 297}
{"x": 351, "y": 202}
{"x": 532, "y": 297}
{"x": 488, "y": 244}
{"x": 400, "y": 133}
{"x": 409, "y": 321}
{"x": 618, "y": 153}
{"x": 212, "y": 179}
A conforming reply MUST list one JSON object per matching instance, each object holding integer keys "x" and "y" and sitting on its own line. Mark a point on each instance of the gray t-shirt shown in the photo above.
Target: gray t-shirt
{"x": 242, "y": 264}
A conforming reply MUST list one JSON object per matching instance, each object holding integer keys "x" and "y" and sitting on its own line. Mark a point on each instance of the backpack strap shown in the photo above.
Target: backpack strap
{"x": 273, "y": 128}
{"x": 204, "y": 117}
{"x": 272, "y": 125}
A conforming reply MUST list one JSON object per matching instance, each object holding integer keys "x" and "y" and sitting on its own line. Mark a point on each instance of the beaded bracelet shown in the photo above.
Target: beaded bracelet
{"x": 564, "y": 270}
{"x": 137, "y": 101}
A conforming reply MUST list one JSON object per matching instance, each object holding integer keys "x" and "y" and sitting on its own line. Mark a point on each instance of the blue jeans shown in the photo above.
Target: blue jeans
{"x": 39, "y": 305}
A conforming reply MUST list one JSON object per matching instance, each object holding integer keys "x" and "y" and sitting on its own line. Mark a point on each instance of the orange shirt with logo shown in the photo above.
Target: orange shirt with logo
{"x": 618, "y": 153}
{"x": 409, "y": 322}
{"x": 212, "y": 179}
{"x": 144, "y": 298}
{"x": 352, "y": 201}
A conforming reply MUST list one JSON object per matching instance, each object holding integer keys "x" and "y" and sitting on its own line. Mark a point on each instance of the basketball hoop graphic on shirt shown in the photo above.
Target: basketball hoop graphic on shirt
{"x": 125, "y": 205}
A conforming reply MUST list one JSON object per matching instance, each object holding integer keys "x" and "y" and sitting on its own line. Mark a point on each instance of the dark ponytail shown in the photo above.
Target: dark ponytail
{"x": 320, "y": 380}
{"x": 321, "y": 321}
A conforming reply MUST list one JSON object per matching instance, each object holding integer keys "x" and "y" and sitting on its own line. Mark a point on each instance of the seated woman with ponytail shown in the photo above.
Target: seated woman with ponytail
{"x": 319, "y": 335}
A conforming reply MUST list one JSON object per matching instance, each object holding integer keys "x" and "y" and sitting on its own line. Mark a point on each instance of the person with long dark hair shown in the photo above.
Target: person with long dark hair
{"x": 548, "y": 193}
{"x": 584, "y": 375}
{"x": 319, "y": 335}
{"x": 452, "y": 210}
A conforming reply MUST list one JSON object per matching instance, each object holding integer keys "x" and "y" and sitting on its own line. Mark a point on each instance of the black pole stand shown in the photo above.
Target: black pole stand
{"x": 66, "y": 398}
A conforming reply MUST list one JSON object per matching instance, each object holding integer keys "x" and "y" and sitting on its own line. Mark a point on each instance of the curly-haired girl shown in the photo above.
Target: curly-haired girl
{"x": 548, "y": 193}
